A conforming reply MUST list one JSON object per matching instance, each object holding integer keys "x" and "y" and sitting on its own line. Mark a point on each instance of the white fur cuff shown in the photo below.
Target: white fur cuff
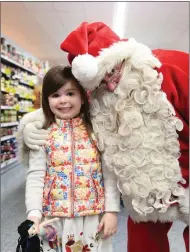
{"x": 184, "y": 206}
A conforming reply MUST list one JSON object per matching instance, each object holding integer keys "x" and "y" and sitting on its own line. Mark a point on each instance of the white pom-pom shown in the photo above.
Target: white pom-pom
{"x": 84, "y": 67}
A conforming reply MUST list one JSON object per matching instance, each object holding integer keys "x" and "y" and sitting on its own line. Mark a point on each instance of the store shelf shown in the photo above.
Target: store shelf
{"x": 8, "y": 124}
{"x": 8, "y": 162}
{"x": 24, "y": 98}
{"x": 20, "y": 81}
{"x": 26, "y": 84}
{"x": 5, "y": 75}
{"x": 4, "y": 138}
{"x": 22, "y": 111}
{"x": 3, "y": 107}
{"x": 17, "y": 64}
{"x": 17, "y": 94}
{"x": 8, "y": 92}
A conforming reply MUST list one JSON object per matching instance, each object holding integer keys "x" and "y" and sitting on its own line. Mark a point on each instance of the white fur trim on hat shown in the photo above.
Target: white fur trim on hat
{"x": 85, "y": 68}
{"x": 133, "y": 52}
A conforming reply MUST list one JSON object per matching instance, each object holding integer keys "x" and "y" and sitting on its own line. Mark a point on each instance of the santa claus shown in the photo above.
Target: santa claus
{"x": 139, "y": 113}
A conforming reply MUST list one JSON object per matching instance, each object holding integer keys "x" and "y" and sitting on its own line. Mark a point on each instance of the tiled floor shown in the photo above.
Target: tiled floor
{"x": 13, "y": 213}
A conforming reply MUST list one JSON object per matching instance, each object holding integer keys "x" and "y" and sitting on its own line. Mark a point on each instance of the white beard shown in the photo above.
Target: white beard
{"x": 136, "y": 131}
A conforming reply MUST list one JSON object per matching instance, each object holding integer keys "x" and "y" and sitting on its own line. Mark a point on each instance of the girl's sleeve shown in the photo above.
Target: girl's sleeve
{"x": 35, "y": 183}
{"x": 112, "y": 194}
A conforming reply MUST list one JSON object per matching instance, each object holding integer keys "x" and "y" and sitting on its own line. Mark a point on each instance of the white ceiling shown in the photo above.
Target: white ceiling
{"x": 40, "y": 27}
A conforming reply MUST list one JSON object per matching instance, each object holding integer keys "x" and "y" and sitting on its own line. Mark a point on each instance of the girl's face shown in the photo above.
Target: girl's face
{"x": 66, "y": 102}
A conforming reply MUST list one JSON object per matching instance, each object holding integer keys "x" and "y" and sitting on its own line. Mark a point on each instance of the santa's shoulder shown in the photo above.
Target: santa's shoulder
{"x": 177, "y": 60}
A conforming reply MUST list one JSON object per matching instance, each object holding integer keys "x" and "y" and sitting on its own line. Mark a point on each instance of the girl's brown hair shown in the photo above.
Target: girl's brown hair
{"x": 54, "y": 79}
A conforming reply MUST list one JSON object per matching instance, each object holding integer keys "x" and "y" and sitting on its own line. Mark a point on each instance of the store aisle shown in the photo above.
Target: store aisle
{"x": 13, "y": 213}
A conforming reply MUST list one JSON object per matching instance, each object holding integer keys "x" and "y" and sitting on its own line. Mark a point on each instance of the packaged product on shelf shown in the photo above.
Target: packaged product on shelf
{"x": 16, "y": 74}
{"x": 8, "y": 85}
{"x": 13, "y": 115}
{"x": 25, "y": 106}
{"x": 25, "y": 92}
{"x": 28, "y": 79}
{"x": 8, "y": 131}
{"x": 3, "y": 132}
{"x": 8, "y": 116}
{"x": 3, "y": 46}
{"x": 2, "y": 117}
{"x": 14, "y": 53}
{"x": 20, "y": 58}
{"x": 2, "y": 99}
{"x": 6, "y": 70}
{"x": 8, "y": 150}
{"x": 20, "y": 90}
{"x": 9, "y": 99}
{"x": 9, "y": 51}
{"x": 2, "y": 68}
{"x": 2, "y": 83}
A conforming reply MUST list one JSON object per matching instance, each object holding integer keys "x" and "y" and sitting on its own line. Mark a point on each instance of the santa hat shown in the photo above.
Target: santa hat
{"x": 84, "y": 45}
{"x": 95, "y": 49}
{"x": 88, "y": 39}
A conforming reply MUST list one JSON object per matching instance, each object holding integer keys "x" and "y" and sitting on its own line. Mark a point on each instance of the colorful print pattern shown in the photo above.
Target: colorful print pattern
{"x": 74, "y": 181}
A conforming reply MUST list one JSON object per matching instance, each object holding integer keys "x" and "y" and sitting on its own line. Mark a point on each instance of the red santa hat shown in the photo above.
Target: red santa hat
{"x": 84, "y": 45}
{"x": 88, "y": 39}
{"x": 94, "y": 49}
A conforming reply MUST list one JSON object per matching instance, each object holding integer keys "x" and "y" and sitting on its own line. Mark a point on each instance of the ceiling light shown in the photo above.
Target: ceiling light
{"x": 119, "y": 18}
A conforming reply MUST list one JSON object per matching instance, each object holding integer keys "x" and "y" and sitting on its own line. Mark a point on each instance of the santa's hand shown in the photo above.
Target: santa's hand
{"x": 108, "y": 225}
{"x": 34, "y": 135}
{"x": 31, "y": 117}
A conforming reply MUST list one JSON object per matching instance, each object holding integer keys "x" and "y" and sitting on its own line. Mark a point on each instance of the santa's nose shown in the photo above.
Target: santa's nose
{"x": 111, "y": 86}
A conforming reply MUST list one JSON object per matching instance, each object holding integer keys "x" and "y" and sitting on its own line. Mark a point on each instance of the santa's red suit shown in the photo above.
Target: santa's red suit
{"x": 139, "y": 100}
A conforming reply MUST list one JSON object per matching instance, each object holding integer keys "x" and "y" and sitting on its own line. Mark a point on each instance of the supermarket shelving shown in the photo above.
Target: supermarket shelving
{"x": 7, "y": 61}
{"x": 4, "y": 138}
{"x": 4, "y": 107}
{"x": 8, "y": 124}
{"x": 13, "y": 62}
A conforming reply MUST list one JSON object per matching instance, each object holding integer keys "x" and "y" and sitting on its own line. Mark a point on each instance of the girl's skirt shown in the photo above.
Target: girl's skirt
{"x": 75, "y": 235}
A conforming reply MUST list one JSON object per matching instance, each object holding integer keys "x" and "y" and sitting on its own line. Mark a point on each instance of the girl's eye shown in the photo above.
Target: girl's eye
{"x": 70, "y": 93}
{"x": 55, "y": 95}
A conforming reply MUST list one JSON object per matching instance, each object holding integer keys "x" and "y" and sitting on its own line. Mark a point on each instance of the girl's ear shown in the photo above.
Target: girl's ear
{"x": 82, "y": 101}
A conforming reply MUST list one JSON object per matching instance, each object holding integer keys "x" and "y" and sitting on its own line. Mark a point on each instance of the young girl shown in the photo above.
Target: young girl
{"x": 65, "y": 178}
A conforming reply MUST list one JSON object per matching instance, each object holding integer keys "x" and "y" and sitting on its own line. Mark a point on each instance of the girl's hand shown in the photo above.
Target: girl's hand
{"x": 35, "y": 228}
{"x": 109, "y": 224}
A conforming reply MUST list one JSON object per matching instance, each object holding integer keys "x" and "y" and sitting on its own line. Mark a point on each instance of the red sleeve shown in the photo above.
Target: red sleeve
{"x": 175, "y": 66}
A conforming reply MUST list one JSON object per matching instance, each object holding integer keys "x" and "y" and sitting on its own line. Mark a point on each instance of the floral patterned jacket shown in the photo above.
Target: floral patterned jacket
{"x": 74, "y": 181}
